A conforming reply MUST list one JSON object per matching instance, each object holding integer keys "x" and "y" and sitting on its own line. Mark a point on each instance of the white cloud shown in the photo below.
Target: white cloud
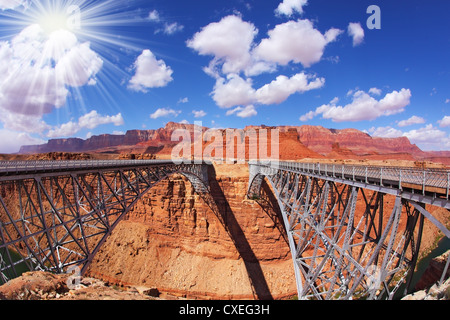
{"x": 165, "y": 112}
{"x": 154, "y": 16}
{"x": 280, "y": 89}
{"x": 199, "y": 114}
{"x": 289, "y": 7}
{"x": 445, "y": 122}
{"x": 385, "y": 132}
{"x": 246, "y": 112}
{"x": 11, "y": 4}
{"x": 229, "y": 41}
{"x": 168, "y": 28}
{"x": 428, "y": 136}
{"x": 375, "y": 91}
{"x": 21, "y": 122}
{"x": 150, "y": 73}
{"x": 364, "y": 107}
{"x": 172, "y": 28}
{"x": 356, "y": 32}
{"x": 411, "y": 121}
{"x": 183, "y": 100}
{"x": 309, "y": 116}
{"x": 78, "y": 66}
{"x": 93, "y": 120}
{"x": 37, "y": 70}
{"x": 295, "y": 41}
{"x": 65, "y": 130}
{"x": 88, "y": 121}
{"x": 447, "y": 100}
{"x": 12, "y": 141}
{"x": 236, "y": 91}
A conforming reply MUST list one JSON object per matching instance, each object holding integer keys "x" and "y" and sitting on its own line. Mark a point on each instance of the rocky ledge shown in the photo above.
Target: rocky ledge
{"x": 47, "y": 286}
{"x": 436, "y": 292}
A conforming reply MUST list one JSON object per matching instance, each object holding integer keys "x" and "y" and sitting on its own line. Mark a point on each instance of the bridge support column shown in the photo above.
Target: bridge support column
{"x": 346, "y": 241}
{"x": 57, "y": 215}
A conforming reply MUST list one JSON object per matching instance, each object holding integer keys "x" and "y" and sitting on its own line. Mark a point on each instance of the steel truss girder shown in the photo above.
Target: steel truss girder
{"x": 55, "y": 221}
{"x": 346, "y": 241}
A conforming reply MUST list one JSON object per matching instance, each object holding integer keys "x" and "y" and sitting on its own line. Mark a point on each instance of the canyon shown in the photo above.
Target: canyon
{"x": 175, "y": 243}
{"x": 296, "y": 143}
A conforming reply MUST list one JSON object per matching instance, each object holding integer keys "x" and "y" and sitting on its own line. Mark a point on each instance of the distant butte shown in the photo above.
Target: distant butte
{"x": 296, "y": 143}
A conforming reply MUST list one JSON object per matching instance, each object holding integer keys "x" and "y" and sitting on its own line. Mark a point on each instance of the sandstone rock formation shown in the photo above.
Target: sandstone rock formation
{"x": 174, "y": 242}
{"x": 47, "y": 286}
{"x": 313, "y": 142}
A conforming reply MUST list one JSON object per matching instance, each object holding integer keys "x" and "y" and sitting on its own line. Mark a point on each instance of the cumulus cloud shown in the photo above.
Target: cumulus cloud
{"x": 11, "y": 4}
{"x": 150, "y": 73}
{"x": 236, "y": 91}
{"x": 93, "y": 120}
{"x": 78, "y": 65}
{"x": 13, "y": 140}
{"x": 283, "y": 87}
{"x": 199, "y": 114}
{"x": 38, "y": 69}
{"x": 375, "y": 91}
{"x": 154, "y": 16}
{"x": 411, "y": 121}
{"x": 289, "y": 7}
{"x": 231, "y": 44}
{"x": 363, "y": 107}
{"x": 356, "y": 32}
{"x": 165, "y": 112}
{"x": 427, "y": 138}
{"x": 172, "y": 28}
{"x": 229, "y": 41}
{"x": 183, "y": 100}
{"x": 244, "y": 112}
{"x": 168, "y": 28}
{"x": 88, "y": 121}
{"x": 233, "y": 91}
{"x": 295, "y": 41}
{"x": 385, "y": 132}
{"x": 445, "y": 122}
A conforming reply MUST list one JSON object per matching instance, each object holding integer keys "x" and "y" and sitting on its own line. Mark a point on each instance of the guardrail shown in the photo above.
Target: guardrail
{"x": 425, "y": 180}
{"x": 27, "y": 167}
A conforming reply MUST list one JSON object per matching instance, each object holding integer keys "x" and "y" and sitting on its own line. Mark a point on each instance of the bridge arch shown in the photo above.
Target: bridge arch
{"x": 348, "y": 238}
{"x": 56, "y": 218}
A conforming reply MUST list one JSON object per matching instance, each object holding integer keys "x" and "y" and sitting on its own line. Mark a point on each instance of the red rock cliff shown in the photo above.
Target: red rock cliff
{"x": 174, "y": 242}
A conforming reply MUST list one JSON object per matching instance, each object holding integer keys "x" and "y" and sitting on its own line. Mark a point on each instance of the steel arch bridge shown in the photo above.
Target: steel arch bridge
{"x": 354, "y": 231}
{"x": 57, "y": 214}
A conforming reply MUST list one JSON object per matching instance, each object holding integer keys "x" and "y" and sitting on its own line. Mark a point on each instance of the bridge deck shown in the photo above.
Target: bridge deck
{"x": 419, "y": 180}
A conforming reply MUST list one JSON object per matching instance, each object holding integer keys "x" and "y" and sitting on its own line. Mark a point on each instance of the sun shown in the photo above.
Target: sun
{"x": 60, "y": 18}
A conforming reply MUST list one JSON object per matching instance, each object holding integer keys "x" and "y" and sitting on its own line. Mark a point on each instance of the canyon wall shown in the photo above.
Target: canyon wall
{"x": 313, "y": 142}
{"x": 173, "y": 241}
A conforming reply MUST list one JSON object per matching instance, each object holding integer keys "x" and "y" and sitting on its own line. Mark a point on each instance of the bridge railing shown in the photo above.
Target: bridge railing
{"x": 19, "y": 167}
{"x": 424, "y": 180}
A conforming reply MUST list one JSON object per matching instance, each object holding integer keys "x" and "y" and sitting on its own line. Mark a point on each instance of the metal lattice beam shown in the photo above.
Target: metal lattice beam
{"x": 347, "y": 229}
{"x": 55, "y": 215}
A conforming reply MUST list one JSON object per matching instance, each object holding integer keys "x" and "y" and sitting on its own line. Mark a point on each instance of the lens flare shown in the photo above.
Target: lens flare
{"x": 65, "y": 54}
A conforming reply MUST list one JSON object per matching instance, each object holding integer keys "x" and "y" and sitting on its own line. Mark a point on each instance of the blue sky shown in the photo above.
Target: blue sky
{"x": 79, "y": 68}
